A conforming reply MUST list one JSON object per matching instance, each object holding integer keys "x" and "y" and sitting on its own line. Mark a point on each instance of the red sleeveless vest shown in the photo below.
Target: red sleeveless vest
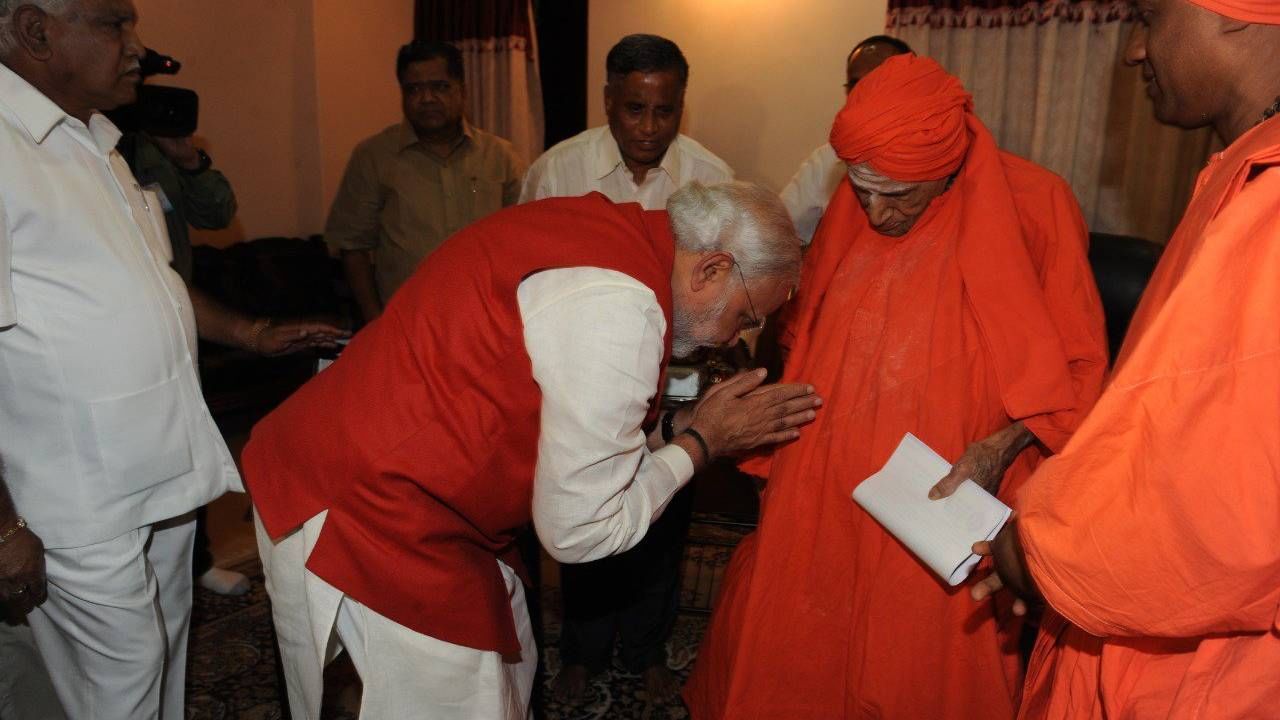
{"x": 421, "y": 440}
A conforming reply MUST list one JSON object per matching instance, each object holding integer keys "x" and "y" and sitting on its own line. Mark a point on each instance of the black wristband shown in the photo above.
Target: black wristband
{"x": 702, "y": 443}
{"x": 669, "y": 427}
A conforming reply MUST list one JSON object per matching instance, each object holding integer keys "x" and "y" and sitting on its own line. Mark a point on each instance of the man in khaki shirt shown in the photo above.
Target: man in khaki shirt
{"x": 416, "y": 183}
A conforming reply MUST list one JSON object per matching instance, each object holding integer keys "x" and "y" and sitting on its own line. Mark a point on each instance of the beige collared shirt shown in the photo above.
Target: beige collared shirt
{"x": 401, "y": 201}
{"x": 590, "y": 162}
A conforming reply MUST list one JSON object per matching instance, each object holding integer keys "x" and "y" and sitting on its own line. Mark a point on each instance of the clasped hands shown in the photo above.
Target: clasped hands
{"x": 741, "y": 413}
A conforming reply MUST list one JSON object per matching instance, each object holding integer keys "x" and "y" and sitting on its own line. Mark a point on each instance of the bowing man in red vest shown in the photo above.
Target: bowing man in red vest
{"x": 512, "y": 378}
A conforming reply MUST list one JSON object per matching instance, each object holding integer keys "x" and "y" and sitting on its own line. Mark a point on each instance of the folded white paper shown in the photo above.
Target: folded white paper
{"x": 939, "y": 532}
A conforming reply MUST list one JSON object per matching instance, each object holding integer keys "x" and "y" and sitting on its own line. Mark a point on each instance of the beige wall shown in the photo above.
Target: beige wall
{"x": 287, "y": 88}
{"x": 765, "y": 75}
{"x": 356, "y": 44}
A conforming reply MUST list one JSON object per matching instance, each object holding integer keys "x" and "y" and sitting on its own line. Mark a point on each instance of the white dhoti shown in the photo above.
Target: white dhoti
{"x": 113, "y": 631}
{"x": 406, "y": 674}
{"x": 25, "y": 688}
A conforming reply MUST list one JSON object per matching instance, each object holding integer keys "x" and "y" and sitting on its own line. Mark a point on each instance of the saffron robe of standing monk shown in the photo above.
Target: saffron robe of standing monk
{"x": 983, "y": 314}
{"x": 1156, "y": 533}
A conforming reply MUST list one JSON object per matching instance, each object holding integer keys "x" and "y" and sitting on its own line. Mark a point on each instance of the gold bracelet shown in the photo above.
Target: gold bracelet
{"x": 259, "y": 326}
{"x": 13, "y": 530}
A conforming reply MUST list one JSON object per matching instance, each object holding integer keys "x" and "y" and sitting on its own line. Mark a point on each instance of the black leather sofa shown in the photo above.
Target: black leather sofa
{"x": 1122, "y": 266}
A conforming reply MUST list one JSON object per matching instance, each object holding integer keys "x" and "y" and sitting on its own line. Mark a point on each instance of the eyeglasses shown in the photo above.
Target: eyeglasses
{"x": 757, "y": 322}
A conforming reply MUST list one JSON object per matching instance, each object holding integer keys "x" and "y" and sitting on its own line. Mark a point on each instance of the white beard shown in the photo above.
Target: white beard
{"x": 684, "y": 336}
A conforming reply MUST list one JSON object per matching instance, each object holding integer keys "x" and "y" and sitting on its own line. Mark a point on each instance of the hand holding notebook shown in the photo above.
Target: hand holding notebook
{"x": 939, "y": 532}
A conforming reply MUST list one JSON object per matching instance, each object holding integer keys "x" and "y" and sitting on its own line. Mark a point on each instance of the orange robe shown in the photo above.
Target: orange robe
{"x": 822, "y": 614}
{"x": 1156, "y": 533}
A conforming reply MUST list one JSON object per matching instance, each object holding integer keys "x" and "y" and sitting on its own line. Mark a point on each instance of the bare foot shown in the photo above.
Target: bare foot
{"x": 570, "y": 686}
{"x": 660, "y": 685}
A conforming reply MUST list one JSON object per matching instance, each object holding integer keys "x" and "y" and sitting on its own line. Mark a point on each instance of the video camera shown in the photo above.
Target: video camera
{"x": 159, "y": 110}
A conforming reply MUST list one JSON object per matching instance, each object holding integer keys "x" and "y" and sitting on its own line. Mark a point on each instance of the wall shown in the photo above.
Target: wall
{"x": 356, "y": 44}
{"x": 766, "y": 76}
{"x": 287, "y": 88}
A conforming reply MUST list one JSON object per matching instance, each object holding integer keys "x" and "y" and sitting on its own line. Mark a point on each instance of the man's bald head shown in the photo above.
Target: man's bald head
{"x": 1203, "y": 67}
{"x": 84, "y": 55}
{"x": 867, "y": 56}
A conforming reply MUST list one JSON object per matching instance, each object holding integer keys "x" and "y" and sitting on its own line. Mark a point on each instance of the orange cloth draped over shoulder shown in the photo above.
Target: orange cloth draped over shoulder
{"x": 984, "y": 313}
{"x": 1156, "y": 532}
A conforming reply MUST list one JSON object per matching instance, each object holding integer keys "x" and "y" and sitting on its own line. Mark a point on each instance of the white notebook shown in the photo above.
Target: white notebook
{"x": 939, "y": 532}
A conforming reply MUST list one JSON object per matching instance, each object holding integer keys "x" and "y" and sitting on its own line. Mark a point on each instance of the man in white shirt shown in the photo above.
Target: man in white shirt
{"x": 388, "y": 528}
{"x": 809, "y": 191}
{"x": 641, "y": 155}
{"x": 107, "y": 443}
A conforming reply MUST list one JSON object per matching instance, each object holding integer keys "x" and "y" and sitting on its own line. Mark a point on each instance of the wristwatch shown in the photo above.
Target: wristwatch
{"x": 669, "y": 427}
{"x": 205, "y": 163}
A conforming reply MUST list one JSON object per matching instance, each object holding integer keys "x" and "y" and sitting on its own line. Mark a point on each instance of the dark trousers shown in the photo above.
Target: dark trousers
{"x": 634, "y": 595}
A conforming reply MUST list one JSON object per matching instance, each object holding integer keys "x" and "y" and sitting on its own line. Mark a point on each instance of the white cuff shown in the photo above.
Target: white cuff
{"x": 678, "y": 461}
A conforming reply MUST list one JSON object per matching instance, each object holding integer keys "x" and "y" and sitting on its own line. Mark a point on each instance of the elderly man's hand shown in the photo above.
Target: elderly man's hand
{"x": 739, "y": 414}
{"x": 22, "y": 581}
{"x": 985, "y": 461}
{"x": 290, "y": 337}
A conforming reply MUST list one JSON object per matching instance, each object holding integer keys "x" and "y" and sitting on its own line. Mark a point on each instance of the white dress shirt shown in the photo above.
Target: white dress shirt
{"x": 809, "y": 191}
{"x": 102, "y": 425}
{"x": 591, "y": 162}
{"x": 596, "y": 335}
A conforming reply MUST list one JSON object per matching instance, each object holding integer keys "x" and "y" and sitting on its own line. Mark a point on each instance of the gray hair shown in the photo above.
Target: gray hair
{"x": 743, "y": 219}
{"x": 9, "y": 42}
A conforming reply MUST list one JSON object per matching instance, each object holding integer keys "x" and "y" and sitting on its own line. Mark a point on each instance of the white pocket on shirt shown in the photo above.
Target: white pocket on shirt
{"x": 142, "y": 437}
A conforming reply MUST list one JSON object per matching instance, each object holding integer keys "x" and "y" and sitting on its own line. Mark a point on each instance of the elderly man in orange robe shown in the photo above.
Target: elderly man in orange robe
{"x": 1155, "y": 535}
{"x": 947, "y": 294}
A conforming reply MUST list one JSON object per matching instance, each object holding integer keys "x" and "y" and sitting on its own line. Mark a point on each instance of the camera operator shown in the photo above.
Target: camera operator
{"x": 193, "y": 193}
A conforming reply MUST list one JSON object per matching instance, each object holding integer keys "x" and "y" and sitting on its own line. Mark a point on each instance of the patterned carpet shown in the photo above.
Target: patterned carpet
{"x": 233, "y": 669}
{"x": 617, "y": 693}
{"x": 232, "y": 675}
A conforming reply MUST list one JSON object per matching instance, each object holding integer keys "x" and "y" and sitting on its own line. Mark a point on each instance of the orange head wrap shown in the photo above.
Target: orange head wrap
{"x": 908, "y": 118}
{"x": 1266, "y": 12}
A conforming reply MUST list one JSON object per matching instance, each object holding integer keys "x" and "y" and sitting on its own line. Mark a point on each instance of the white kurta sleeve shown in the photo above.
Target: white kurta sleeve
{"x": 595, "y": 339}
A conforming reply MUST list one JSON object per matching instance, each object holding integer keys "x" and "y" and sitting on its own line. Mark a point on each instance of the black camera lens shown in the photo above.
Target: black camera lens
{"x": 153, "y": 63}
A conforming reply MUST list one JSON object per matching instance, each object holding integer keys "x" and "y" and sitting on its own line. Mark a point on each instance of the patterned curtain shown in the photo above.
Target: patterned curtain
{"x": 999, "y": 13}
{"x": 1048, "y": 79}
{"x": 499, "y": 51}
